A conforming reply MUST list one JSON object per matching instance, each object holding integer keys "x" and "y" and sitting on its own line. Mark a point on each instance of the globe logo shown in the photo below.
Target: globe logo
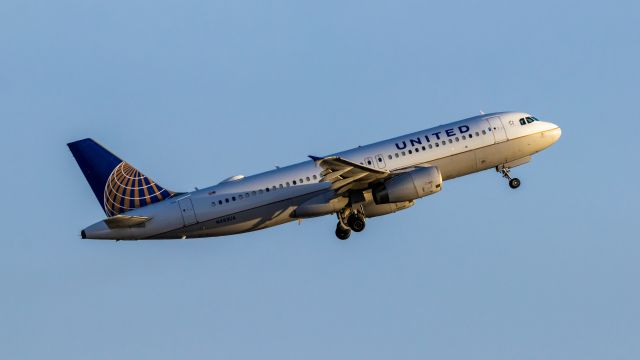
{"x": 128, "y": 189}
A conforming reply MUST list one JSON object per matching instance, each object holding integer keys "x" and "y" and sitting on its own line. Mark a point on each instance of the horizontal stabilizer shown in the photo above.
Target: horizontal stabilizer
{"x": 123, "y": 221}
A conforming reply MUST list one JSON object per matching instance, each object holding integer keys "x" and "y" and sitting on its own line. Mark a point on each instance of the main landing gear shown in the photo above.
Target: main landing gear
{"x": 514, "y": 183}
{"x": 342, "y": 233}
{"x": 348, "y": 220}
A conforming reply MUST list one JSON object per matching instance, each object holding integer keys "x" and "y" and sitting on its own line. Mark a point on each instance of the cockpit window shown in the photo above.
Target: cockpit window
{"x": 528, "y": 120}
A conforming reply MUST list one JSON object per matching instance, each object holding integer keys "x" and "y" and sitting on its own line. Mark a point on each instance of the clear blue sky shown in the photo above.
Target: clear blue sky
{"x": 192, "y": 92}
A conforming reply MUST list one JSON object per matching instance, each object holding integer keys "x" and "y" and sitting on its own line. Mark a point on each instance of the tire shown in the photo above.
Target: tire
{"x": 342, "y": 234}
{"x": 356, "y": 222}
{"x": 514, "y": 183}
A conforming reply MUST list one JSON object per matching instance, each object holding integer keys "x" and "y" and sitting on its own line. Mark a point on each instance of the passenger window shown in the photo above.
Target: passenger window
{"x": 410, "y": 152}
{"x": 403, "y": 153}
{"x": 470, "y": 136}
{"x": 233, "y": 198}
{"x": 368, "y": 162}
{"x": 484, "y": 132}
{"x": 444, "y": 142}
{"x": 477, "y": 133}
{"x": 267, "y": 189}
{"x": 281, "y": 186}
{"x": 294, "y": 182}
{"x": 226, "y": 200}
{"x": 308, "y": 179}
{"x": 219, "y": 202}
{"x": 424, "y": 148}
{"x": 450, "y": 141}
{"x": 417, "y": 150}
{"x": 240, "y": 197}
{"x": 253, "y": 193}
{"x": 315, "y": 177}
{"x": 390, "y": 157}
{"x": 464, "y": 137}
{"x": 430, "y": 146}
{"x": 301, "y": 181}
{"x": 397, "y": 156}
{"x": 213, "y": 203}
{"x": 437, "y": 144}
{"x": 260, "y": 191}
{"x": 246, "y": 195}
{"x": 287, "y": 184}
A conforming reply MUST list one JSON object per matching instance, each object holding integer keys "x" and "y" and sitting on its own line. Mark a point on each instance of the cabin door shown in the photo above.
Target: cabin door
{"x": 186, "y": 209}
{"x": 497, "y": 129}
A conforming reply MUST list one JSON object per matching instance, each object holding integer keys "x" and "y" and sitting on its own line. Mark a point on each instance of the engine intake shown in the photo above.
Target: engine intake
{"x": 409, "y": 186}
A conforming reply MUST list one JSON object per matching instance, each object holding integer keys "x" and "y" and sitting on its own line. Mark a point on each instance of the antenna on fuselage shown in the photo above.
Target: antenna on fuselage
{"x": 481, "y": 112}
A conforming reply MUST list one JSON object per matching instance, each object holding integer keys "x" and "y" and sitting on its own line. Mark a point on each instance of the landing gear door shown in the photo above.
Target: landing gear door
{"x": 497, "y": 129}
{"x": 188, "y": 214}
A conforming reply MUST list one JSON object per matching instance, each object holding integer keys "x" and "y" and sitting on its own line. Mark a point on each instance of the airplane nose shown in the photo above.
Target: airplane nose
{"x": 554, "y": 133}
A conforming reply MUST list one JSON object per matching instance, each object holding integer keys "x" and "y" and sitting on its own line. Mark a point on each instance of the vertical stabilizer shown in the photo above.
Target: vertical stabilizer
{"x": 118, "y": 186}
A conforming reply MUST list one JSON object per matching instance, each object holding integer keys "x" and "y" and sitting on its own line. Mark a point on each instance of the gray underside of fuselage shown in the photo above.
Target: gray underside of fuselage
{"x": 243, "y": 221}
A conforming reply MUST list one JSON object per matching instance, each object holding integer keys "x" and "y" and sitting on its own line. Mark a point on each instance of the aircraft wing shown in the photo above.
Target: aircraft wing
{"x": 347, "y": 175}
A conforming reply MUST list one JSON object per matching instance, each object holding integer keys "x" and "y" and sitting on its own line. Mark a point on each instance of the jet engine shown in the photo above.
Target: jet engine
{"x": 409, "y": 186}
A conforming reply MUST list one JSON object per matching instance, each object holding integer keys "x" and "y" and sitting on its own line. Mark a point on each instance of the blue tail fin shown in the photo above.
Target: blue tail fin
{"x": 118, "y": 186}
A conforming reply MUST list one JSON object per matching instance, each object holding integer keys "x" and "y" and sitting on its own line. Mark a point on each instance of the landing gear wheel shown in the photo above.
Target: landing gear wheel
{"x": 342, "y": 233}
{"x": 514, "y": 183}
{"x": 356, "y": 222}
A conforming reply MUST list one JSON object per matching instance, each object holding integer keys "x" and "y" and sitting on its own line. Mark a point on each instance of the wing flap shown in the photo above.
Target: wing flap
{"x": 345, "y": 174}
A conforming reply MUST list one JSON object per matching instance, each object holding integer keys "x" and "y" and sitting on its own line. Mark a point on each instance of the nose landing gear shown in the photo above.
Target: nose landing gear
{"x": 514, "y": 183}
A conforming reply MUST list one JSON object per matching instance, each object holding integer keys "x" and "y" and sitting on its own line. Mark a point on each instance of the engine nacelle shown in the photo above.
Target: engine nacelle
{"x": 409, "y": 186}
{"x": 373, "y": 210}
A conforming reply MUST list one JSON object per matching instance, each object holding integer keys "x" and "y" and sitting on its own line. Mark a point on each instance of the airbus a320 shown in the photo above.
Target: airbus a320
{"x": 355, "y": 185}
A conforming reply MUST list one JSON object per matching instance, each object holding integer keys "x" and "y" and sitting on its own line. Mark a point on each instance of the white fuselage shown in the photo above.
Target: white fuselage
{"x": 263, "y": 200}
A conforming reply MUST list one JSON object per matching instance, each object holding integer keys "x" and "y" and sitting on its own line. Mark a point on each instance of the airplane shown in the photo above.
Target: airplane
{"x": 356, "y": 184}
